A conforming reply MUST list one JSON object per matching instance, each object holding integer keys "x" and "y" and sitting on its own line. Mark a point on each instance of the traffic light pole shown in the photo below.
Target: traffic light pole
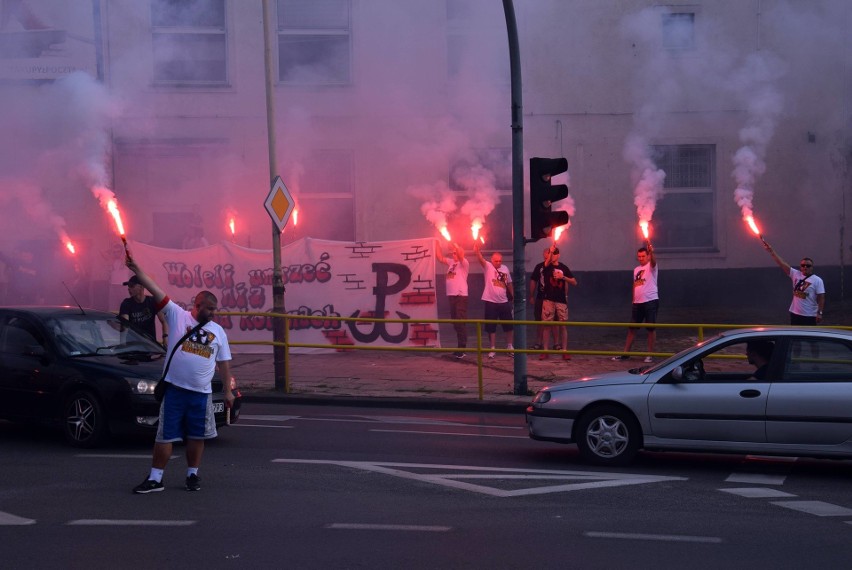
{"x": 279, "y": 351}
{"x": 519, "y": 273}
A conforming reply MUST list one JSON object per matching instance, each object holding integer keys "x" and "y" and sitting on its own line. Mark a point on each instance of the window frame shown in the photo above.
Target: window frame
{"x": 190, "y": 31}
{"x": 316, "y": 159}
{"x": 504, "y": 193}
{"x": 313, "y": 32}
{"x": 669, "y": 21}
{"x": 669, "y": 190}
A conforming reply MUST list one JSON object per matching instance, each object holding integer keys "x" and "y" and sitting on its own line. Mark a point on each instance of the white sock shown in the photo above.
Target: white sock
{"x": 510, "y": 347}
{"x": 191, "y": 471}
{"x": 156, "y": 475}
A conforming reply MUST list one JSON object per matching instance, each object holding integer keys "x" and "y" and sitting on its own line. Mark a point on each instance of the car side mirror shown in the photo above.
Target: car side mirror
{"x": 677, "y": 373}
{"x": 36, "y": 350}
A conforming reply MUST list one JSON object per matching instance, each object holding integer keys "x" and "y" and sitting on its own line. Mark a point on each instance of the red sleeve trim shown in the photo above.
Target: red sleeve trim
{"x": 162, "y": 304}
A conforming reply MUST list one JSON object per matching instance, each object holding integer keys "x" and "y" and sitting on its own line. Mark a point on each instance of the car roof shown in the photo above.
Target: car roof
{"x": 789, "y": 331}
{"x": 55, "y": 311}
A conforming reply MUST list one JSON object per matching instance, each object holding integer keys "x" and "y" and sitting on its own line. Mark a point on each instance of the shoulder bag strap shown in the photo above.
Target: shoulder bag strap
{"x": 179, "y": 342}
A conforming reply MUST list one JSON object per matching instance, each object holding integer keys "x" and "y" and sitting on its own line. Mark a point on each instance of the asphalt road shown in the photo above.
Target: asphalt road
{"x": 321, "y": 487}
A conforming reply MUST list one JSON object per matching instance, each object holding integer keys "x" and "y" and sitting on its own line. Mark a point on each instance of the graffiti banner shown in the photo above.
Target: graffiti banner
{"x": 393, "y": 280}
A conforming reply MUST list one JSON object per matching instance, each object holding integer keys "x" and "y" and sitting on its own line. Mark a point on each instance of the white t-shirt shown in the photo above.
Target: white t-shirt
{"x": 457, "y": 273}
{"x": 194, "y": 363}
{"x": 805, "y": 291}
{"x": 496, "y": 283}
{"x": 645, "y": 283}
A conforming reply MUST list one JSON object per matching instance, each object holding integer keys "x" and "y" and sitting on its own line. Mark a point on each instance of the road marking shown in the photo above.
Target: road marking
{"x": 449, "y": 433}
{"x": 756, "y": 479}
{"x": 405, "y": 527}
{"x": 452, "y": 476}
{"x": 404, "y": 420}
{"x": 243, "y": 424}
{"x": 127, "y": 522}
{"x": 8, "y": 519}
{"x": 818, "y": 508}
{"x": 118, "y": 456}
{"x": 662, "y": 537}
{"x": 757, "y": 493}
{"x": 268, "y": 418}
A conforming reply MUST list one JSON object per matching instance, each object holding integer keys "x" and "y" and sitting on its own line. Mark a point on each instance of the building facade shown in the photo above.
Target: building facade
{"x": 392, "y": 119}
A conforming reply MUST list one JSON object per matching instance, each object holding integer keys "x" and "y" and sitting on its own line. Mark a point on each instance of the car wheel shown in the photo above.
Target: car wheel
{"x": 608, "y": 435}
{"x": 84, "y": 421}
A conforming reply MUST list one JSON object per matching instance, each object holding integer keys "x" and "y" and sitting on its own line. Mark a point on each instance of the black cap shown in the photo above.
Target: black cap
{"x": 554, "y": 250}
{"x": 132, "y": 281}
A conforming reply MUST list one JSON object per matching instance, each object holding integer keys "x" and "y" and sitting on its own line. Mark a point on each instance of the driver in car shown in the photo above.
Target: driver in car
{"x": 758, "y": 353}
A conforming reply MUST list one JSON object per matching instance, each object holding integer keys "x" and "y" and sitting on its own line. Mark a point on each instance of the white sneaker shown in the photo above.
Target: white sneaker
{"x": 511, "y": 354}
{"x": 492, "y": 354}
{"x": 648, "y": 360}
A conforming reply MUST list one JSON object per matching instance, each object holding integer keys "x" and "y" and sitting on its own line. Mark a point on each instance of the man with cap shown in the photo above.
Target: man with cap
{"x": 140, "y": 309}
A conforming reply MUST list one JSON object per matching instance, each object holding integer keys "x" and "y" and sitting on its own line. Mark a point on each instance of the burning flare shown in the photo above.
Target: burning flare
{"x": 645, "y": 227}
{"x": 232, "y": 225}
{"x": 475, "y": 226}
{"x": 557, "y": 233}
{"x": 749, "y": 219}
{"x": 752, "y": 224}
{"x": 112, "y": 208}
{"x": 70, "y": 247}
{"x": 295, "y": 216}
{"x": 446, "y": 233}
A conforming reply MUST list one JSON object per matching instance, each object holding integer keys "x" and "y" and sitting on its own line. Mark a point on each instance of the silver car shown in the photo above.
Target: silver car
{"x": 777, "y": 391}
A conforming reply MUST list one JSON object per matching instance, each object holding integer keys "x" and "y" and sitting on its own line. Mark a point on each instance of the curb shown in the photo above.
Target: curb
{"x": 466, "y": 405}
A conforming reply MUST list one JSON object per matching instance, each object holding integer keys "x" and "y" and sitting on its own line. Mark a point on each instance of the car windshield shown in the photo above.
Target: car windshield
{"x": 84, "y": 335}
{"x": 677, "y": 356}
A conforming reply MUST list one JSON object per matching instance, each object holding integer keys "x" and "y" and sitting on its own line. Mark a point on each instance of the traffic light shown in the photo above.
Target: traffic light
{"x": 543, "y": 194}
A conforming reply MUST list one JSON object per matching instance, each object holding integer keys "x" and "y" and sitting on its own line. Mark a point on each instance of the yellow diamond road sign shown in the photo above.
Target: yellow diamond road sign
{"x": 279, "y": 204}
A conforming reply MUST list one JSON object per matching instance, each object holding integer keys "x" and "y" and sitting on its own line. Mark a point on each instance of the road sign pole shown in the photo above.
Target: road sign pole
{"x": 279, "y": 352}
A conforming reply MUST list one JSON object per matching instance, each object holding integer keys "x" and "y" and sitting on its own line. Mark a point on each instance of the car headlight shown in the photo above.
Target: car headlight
{"x": 141, "y": 385}
{"x": 542, "y": 397}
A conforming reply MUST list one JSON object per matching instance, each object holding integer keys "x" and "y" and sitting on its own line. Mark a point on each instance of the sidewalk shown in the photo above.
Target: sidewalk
{"x": 420, "y": 380}
{"x": 440, "y": 381}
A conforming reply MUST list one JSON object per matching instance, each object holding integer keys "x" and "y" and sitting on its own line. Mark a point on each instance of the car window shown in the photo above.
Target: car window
{"x": 19, "y": 337}
{"x": 81, "y": 334}
{"x": 818, "y": 360}
{"x": 737, "y": 361}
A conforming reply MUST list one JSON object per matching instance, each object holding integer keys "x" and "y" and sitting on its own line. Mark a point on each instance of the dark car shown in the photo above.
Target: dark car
{"x": 85, "y": 370}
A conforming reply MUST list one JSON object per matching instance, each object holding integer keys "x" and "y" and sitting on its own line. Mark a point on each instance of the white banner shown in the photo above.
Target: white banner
{"x": 393, "y": 280}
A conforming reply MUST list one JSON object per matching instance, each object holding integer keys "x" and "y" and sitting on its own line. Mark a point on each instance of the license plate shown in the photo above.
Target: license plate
{"x": 218, "y": 407}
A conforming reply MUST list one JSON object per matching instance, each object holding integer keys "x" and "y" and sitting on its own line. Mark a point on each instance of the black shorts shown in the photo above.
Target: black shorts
{"x": 645, "y": 313}
{"x": 539, "y": 301}
{"x": 498, "y": 312}
{"x": 802, "y": 320}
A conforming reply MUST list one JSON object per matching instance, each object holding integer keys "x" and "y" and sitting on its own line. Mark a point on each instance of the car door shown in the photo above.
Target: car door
{"x": 811, "y": 403}
{"x": 717, "y": 400}
{"x": 25, "y": 387}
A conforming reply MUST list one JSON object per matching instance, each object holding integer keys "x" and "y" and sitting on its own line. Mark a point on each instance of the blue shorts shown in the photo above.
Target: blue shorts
{"x": 185, "y": 414}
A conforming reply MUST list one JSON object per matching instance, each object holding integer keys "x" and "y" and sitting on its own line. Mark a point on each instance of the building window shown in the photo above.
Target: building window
{"x": 685, "y": 219}
{"x": 314, "y": 42}
{"x": 189, "y": 41}
{"x": 325, "y": 199}
{"x": 484, "y": 184}
{"x": 679, "y": 31}
{"x": 476, "y": 41}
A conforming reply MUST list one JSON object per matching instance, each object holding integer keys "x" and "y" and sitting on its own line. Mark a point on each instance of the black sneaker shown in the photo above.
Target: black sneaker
{"x": 458, "y": 354}
{"x": 148, "y": 486}
{"x": 193, "y": 483}
{"x": 622, "y": 357}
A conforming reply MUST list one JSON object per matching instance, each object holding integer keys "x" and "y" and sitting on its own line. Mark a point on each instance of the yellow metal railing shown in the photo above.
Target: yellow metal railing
{"x": 479, "y": 349}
